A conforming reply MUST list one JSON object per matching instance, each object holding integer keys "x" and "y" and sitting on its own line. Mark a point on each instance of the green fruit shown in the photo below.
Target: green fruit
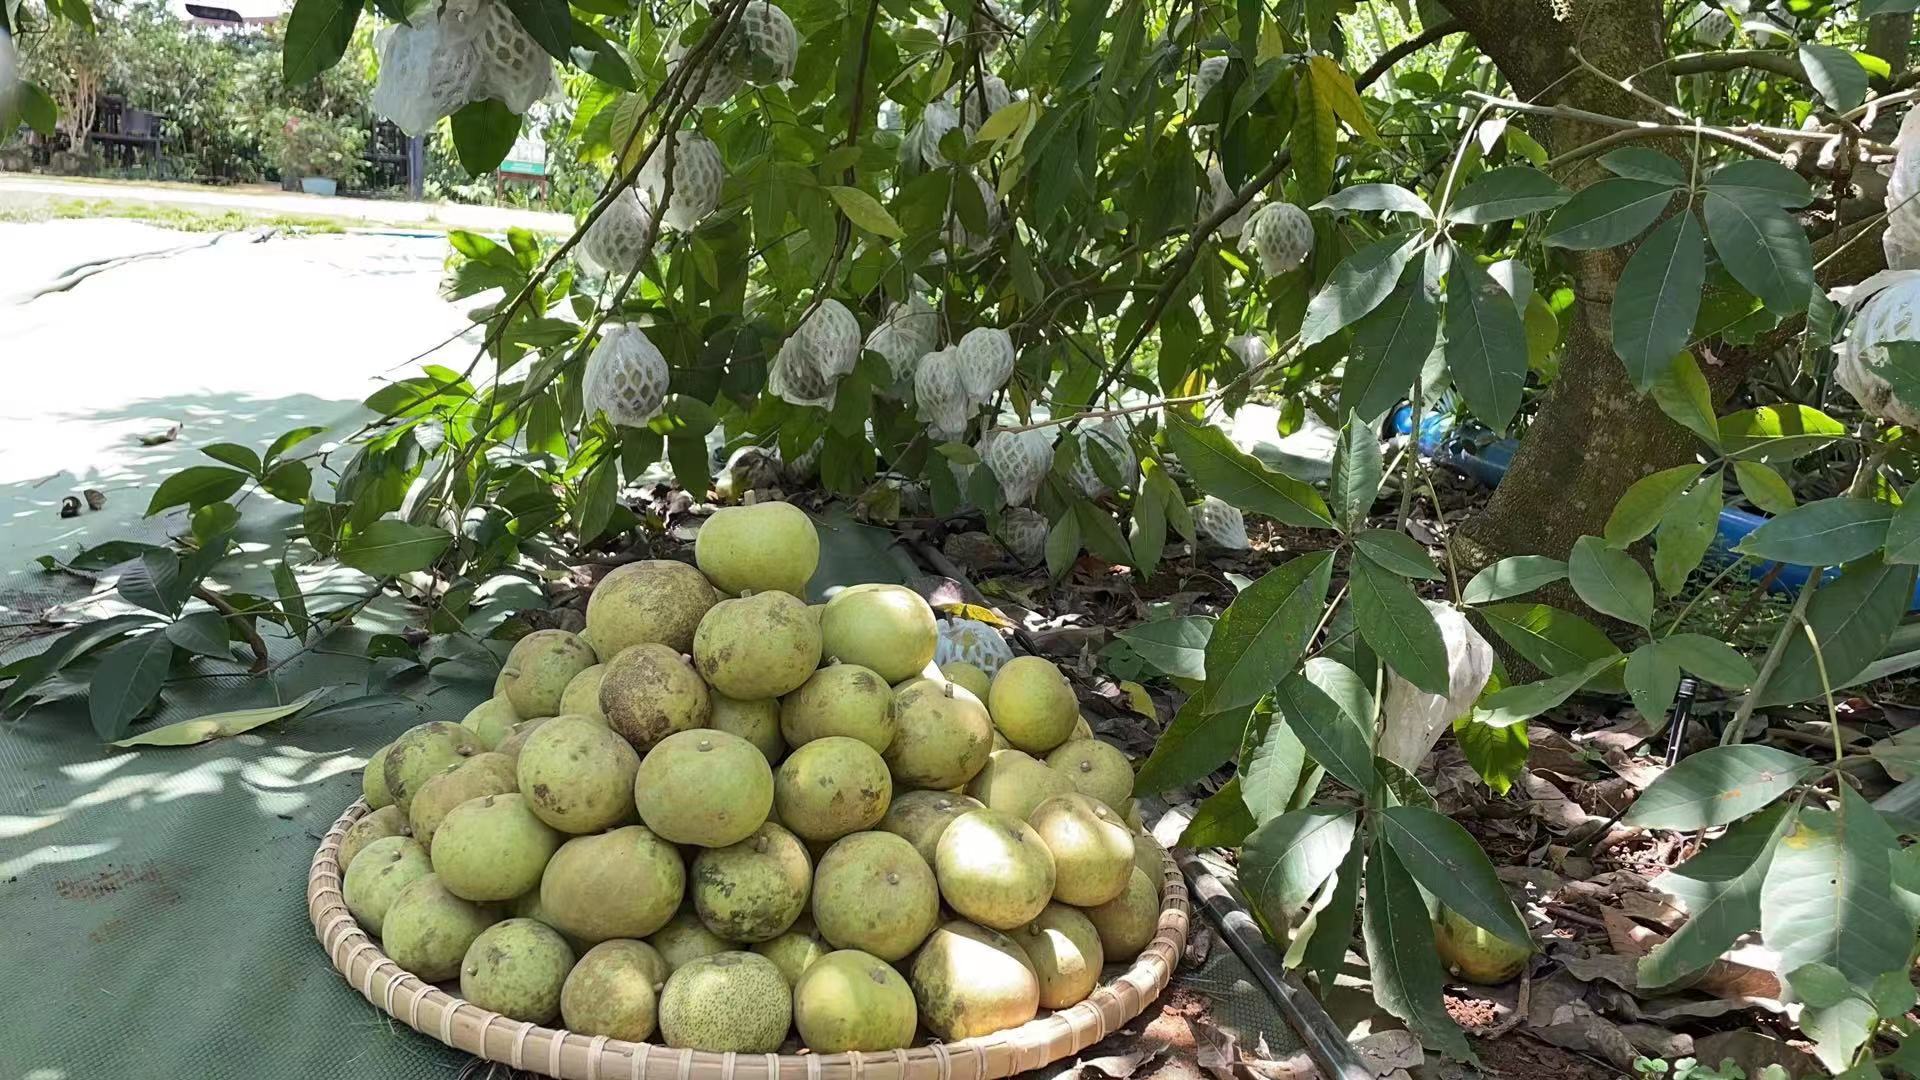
{"x": 475, "y": 778}
{"x": 517, "y": 968}
{"x": 850, "y": 1000}
{"x": 1096, "y": 770}
{"x": 730, "y": 1001}
{"x": 379, "y": 873}
{"x": 970, "y": 981}
{"x": 704, "y": 787}
{"x": 1091, "y": 847}
{"x": 423, "y": 752}
{"x": 766, "y": 546}
{"x": 888, "y": 628}
{"x": 685, "y": 939}
{"x": 373, "y": 780}
{"x": 919, "y": 817}
{"x": 759, "y": 646}
{"x": 1015, "y": 783}
{"x": 994, "y": 869}
{"x": 1150, "y": 858}
{"x": 527, "y": 906}
{"x": 491, "y": 720}
{"x": 794, "y": 951}
{"x": 577, "y": 775}
{"x": 1127, "y": 923}
{"x": 493, "y": 848}
{"x": 517, "y": 737}
{"x": 621, "y": 884}
{"x": 968, "y": 677}
{"x": 538, "y": 669}
{"x": 840, "y": 699}
{"x": 757, "y": 721}
{"x": 942, "y": 735}
{"x": 582, "y": 695}
{"x": 1132, "y": 816}
{"x": 1032, "y": 704}
{"x": 831, "y": 787}
{"x": 653, "y": 602}
{"x": 1065, "y": 951}
{"x": 649, "y": 692}
{"x": 384, "y": 822}
{"x": 613, "y": 991}
{"x": 428, "y": 929}
{"x": 753, "y": 890}
{"x": 1475, "y": 954}
{"x": 874, "y": 893}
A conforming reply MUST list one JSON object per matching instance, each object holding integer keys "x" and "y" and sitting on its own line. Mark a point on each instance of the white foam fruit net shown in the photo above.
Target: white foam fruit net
{"x": 698, "y": 174}
{"x": 1019, "y": 460}
{"x": 1902, "y": 238}
{"x": 470, "y": 51}
{"x": 973, "y": 642}
{"x": 909, "y": 331}
{"x": 626, "y": 377}
{"x": 821, "y": 352}
{"x": 619, "y": 238}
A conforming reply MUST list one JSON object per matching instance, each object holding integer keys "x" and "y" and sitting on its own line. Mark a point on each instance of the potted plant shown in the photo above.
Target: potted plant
{"x": 321, "y": 150}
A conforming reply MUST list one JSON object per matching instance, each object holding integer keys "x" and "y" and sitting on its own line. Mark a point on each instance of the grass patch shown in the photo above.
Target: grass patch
{"x": 181, "y": 218}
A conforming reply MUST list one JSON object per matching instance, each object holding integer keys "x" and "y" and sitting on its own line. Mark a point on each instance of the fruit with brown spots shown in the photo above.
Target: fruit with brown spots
{"x": 1096, "y": 770}
{"x": 874, "y": 893}
{"x": 494, "y": 848}
{"x": 614, "y": 990}
{"x": 753, "y": 890}
{"x": 582, "y": 695}
{"x": 1015, "y": 783}
{"x": 994, "y": 869}
{"x": 428, "y": 929}
{"x": 517, "y": 968}
{"x": 919, "y": 817}
{"x": 942, "y": 735}
{"x": 794, "y": 951}
{"x": 423, "y": 752}
{"x": 757, "y": 721}
{"x": 704, "y": 787}
{"x": 517, "y": 737}
{"x": 968, "y": 677}
{"x": 839, "y": 699}
{"x": 685, "y": 939}
{"x": 491, "y": 720}
{"x": 656, "y": 601}
{"x": 888, "y": 628}
{"x": 625, "y": 883}
{"x": 373, "y": 780}
{"x": 538, "y": 668}
{"x": 831, "y": 787}
{"x": 764, "y": 547}
{"x": 733, "y": 1001}
{"x": 1066, "y": 954}
{"x": 649, "y": 692}
{"x": 577, "y": 775}
{"x": 1092, "y": 849}
{"x": 474, "y": 778}
{"x": 379, "y": 873}
{"x": 851, "y": 1000}
{"x": 970, "y": 981}
{"x": 760, "y": 646}
{"x": 384, "y": 822}
{"x": 1032, "y": 704}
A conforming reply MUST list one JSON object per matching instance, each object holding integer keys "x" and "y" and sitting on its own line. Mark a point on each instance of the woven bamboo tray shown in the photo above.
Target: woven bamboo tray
{"x": 464, "y": 1026}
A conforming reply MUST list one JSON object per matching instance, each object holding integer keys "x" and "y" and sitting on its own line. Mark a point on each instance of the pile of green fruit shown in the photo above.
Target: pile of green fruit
{"x": 721, "y": 814}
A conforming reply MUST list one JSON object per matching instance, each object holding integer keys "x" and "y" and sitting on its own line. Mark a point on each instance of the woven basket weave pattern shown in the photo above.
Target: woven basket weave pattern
{"x": 465, "y": 1026}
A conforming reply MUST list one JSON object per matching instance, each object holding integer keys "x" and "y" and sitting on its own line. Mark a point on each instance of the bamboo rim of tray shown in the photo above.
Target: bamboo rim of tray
{"x": 464, "y": 1026}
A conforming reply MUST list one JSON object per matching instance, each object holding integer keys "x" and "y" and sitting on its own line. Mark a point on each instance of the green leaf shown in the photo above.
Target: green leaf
{"x": 1389, "y": 347}
{"x": 126, "y": 682}
{"x": 598, "y": 493}
{"x": 1403, "y": 959}
{"x": 1717, "y": 785}
{"x": 1683, "y": 394}
{"x": 1607, "y": 213}
{"x": 1101, "y": 533}
{"x": 1641, "y": 163}
{"x": 1063, "y": 546}
{"x": 1396, "y": 552}
{"x": 1835, "y": 74}
{"x": 593, "y": 53}
{"x": 218, "y": 725}
{"x": 1610, "y": 581}
{"x": 1316, "y": 135}
{"x": 1391, "y": 198}
{"x": 1657, "y": 298}
{"x": 1497, "y": 752}
{"x": 1644, "y": 503}
{"x": 1270, "y": 772}
{"x": 1505, "y": 193}
{"x": 1330, "y": 712}
{"x": 1198, "y": 741}
{"x": 1336, "y": 88}
{"x": 1397, "y": 625}
{"x": 203, "y": 632}
{"x": 1359, "y": 284}
{"x": 1557, "y": 642}
{"x": 1444, "y": 859}
{"x": 1853, "y": 618}
{"x": 1752, "y": 178}
{"x": 1828, "y": 897}
{"x": 1721, "y": 889}
{"x": 1778, "y": 433}
{"x": 1004, "y": 122}
{"x": 154, "y": 583}
{"x": 1686, "y": 532}
{"x": 1903, "y": 529}
{"x": 1819, "y": 985}
{"x": 1513, "y": 576}
{"x": 240, "y": 457}
{"x": 483, "y": 132}
{"x": 547, "y": 22}
{"x": 1821, "y": 533}
{"x": 1175, "y": 647}
{"x": 1223, "y": 470}
{"x": 1355, "y": 480}
{"x": 1286, "y": 859}
{"x": 1262, "y": 634}
{"x": 1221, "y": 820}
{"x": 865, "y": 211}
{"x": 36, "y": 108}
{"x": 30, "y": 672}
{"x": 688, "y": 456}
{"x": 1711, "y": 659}
{"x": 1509, "y": 705}
{"x": 1653, "y": 679}
{"x": 1486, "y": 343}
{"x": 1766, "y": 489}
{"x": 390, "y": 547}
{"x": 1320, "y": 941}
{"x": 1764, "y": 248}
{"x": 196, "y": 486}
{"x": 318, "y": 33}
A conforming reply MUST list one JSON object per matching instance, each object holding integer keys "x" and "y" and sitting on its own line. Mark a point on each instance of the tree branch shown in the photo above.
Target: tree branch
{"x": 261, "y": 661}
{"x": 1702, "y": 63}
{"x": 1408, "y": 48}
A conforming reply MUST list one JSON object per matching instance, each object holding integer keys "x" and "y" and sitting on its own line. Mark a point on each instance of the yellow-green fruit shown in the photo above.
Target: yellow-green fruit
{"x": 999, "y": 741}
{"x": 839, "y": 699}
{"x": 942, "y": 735}
{"x": 582, "y": 695}
{"x": 649, "y": 692}
{"x": 475, "y": 778}
{"x": 730, "y": 1001}
{"x": 527, "y": 906}
{"x": 794, "y": 951}
{"x": 1096, "y": 770}
{"x": 1127, "y": 922}
{"x": 577, "y": 775}
{"x": 1015, "y": 783}
{"x": 758, "y": 646}
{"x": 491, "y": 720}
{"x": 831, "y": 787}
{"x": 373, "y": 780}
{"x": 968, "y": 677}
{"x": 379, "y": 873}
{"x": 851, "y": 1000}
{"x": 888, "y": 628}
{"x": 653, "y": 602}
{"x": 625, "y": 883}
{"x": 1132, "y": 815}
{"x": 384, "y": 822}
{"x": 493, "y": 848}
{"x": 423, "y": 752}
{"x": 1150, "y": 858}
{"x": 753, "y": 890}
{"x": 1032, "y": 704}
{"x": 685, "y": 939}
{"x": 766, "y": 546}
{"x": 538, "y": 669}
{"x": 613, "y": 991}
{"x": 1092, "y": 849}
{"x": 517, "y": 968}
{"x": 704, "y": 787}
{"x": 757, "y": 721}
{"x": 1081, "y": 729}
{"x": 994, "y": 869}
{"x": 428, "y": 929}
{"x": 1475, "y": 954}
{"x": 1066, "y": 954}
{"x": 919, "y": 817}
{"x": 518, "y": 736}
{"x": 873, "y": 892}
{"x": 970, "y": 981}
